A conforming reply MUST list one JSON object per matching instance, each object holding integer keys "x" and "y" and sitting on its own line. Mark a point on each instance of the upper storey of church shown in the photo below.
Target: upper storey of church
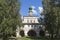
{"x": 30, "y": 18}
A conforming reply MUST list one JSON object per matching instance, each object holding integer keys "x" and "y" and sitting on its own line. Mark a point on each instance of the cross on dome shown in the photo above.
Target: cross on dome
{"x": 30, "y": 11}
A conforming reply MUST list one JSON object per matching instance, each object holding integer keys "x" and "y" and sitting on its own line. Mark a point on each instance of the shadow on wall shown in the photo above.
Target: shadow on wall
{"x": 31, "y": 33}
{"x": 22, "y": 33}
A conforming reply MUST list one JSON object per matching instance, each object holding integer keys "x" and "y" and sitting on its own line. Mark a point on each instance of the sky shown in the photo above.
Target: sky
{"x": 36, "y": 5}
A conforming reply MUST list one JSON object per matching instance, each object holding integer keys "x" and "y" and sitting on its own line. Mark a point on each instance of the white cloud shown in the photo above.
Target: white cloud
{"x": 40, "y": 9}
{"x": 33, "y": 7}
{"x": 33, "y": 10}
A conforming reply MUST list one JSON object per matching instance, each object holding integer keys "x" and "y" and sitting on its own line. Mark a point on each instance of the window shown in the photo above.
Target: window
{"x": 27, "y": 21}
{"x": 32, "y": 25}
{"x": 34, "y": 21}
{"x": 31, "y": 21}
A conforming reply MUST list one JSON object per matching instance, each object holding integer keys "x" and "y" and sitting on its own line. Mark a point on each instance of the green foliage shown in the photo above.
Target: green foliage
{"x": 52, "y": 16}
{"x": 42, "y": 33}
{"x": 33, "y": 38}
{"x": 9, "y": 16}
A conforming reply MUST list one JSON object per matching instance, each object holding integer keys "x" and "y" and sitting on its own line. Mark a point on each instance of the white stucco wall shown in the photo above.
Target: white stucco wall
{"x": 27, "y": 27}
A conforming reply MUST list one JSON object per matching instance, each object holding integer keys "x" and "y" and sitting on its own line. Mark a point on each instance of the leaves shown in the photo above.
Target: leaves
{"x": 9, "y": 16}
{"x": 51, "y": 16}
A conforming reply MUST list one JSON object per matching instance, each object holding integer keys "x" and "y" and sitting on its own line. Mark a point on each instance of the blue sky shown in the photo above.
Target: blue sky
{"x": 25, "y": 4}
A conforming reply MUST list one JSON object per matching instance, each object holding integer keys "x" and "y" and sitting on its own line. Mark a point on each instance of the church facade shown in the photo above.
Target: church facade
{"x": 30, "y": 25}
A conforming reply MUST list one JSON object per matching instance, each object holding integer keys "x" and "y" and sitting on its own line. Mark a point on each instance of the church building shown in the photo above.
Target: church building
{"x": 31, "y": 25}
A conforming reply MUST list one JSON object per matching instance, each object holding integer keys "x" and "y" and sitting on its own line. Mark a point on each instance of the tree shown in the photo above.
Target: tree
{"x": 9, "y": 17}
{"x": 42, "y": 33}
{"x": 41, "y": 20}
{"x": 52, "y": 16}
